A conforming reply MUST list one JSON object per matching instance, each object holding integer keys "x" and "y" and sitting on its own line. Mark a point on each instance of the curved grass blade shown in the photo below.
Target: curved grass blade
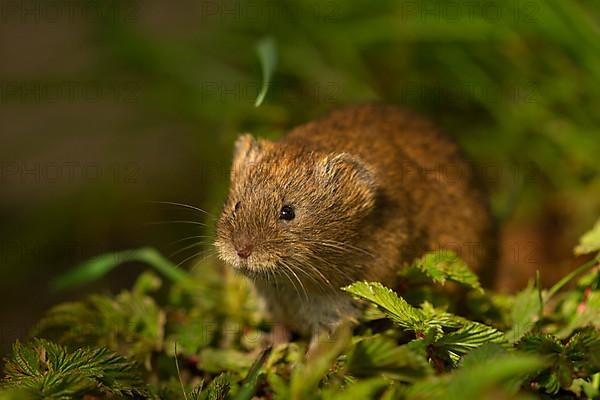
{"x": 97, "y": 267}
{"x": 267, "y": 54}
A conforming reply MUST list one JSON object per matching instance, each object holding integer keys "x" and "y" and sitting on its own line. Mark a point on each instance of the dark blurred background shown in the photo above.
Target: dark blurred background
{"x": 107, "y": 106}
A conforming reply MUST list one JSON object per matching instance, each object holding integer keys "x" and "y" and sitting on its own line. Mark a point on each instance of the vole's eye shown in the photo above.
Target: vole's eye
{"x": 287, "y": 213}
{"x": 237, "y": 206}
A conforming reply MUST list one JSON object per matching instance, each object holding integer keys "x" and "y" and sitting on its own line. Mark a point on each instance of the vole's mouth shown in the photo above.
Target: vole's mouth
{"x": 250, "y": 267}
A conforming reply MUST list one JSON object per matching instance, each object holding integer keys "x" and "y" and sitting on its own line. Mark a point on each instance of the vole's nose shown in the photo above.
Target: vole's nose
{"x": 243, "y": 247}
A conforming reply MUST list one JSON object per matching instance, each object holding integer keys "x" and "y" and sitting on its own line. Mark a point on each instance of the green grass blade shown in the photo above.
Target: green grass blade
{"x": 267, "y": 54}
{"x": 97, "y": 267}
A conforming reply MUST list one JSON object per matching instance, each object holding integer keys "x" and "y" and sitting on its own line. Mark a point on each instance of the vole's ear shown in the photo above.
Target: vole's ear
{"x": 349, "y": 175}
{"x": 246, "y": 151}
{"x": 246, "y": 148}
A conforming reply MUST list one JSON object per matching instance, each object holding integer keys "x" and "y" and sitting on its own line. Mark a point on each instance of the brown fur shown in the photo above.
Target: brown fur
{"x": 367, "y": 199}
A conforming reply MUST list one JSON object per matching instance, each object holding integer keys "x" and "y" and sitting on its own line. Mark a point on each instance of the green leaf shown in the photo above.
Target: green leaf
{"x": 560, "y": 373}
{"x": 473, "y": 382}
{"x": 487, "y": 353}
{"x": 468, "y": 338}
{"x": 218, "y": 360}
{"x": 51, "y": 371}
{"x": 526, "y": 310}
{"x": 377, "y": 355}
{"x": 97, "y": 267}
{"x": 130, "y": 322}
{"x": 477, "y": 376}
{"x": 219, "y": 388}
{"x": 445, "y": 265}
{"x": 590, "y": 241}
{"x": 540, "y": 343}
{"x": 252, "y": 379}
{"x": 279, "y": 386}
{"x": 366, "y": 389}
{"x": 396, "y": 308}
{"x": 583, "y": 350}
{"x": 267, "y": 54}
{"x": 429, "y": 323}
{"x": 306, "y": 376}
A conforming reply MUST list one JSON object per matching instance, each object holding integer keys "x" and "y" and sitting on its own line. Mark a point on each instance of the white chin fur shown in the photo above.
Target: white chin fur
{"x": 229, "y": 256}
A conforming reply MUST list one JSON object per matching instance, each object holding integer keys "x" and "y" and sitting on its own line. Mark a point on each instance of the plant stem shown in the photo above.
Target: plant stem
{"x": 560, "y": 284}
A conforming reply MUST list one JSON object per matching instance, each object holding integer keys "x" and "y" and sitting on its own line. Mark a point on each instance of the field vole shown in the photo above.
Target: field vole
{"x": 349, "y": 197}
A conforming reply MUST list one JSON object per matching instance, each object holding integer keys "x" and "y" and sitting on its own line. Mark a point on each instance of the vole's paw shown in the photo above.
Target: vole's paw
{"x": 279, "y": 335}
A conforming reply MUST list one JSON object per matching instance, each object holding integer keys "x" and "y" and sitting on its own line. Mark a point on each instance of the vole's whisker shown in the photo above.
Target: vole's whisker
{"x": 188, "y": 238}
{"x": 286, "y": 274}
{"x": 191, "y": 246}
{"x": 206, "y": 254}
{"x": 338, "y": 244}
{"x": 297, "y": 279}
{"x": 176, "y": 222}
{"x": 298, "y": 267}
{"x": 305, "y": 262}
{"x": 343, "y": 247}
{"x": 199, "y": 254}
{"x": 189, "y": 206}
{"x": 333, "y": 266}
{"x": 180, "y": 264}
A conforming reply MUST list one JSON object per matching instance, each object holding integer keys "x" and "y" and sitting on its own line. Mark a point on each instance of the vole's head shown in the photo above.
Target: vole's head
{"x": 292, "y": 212}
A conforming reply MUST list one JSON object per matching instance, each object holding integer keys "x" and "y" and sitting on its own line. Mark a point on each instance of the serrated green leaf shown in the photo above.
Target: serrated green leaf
{"x": 397, "y": 309}
{"x": 219, "y": 388}
{"x": 445, "y": 265}
{"x": 468, "y": 338}
{"x": 583, "y": 350}
{"x": 561, "y": 370}
{"x": 540, "y": 343}
{"x": 131, "y": 322}
{"x": 51, "y": 371}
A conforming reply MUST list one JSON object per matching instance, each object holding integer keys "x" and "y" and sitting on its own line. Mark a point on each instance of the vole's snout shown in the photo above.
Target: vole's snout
{"x": 243, "y": 246}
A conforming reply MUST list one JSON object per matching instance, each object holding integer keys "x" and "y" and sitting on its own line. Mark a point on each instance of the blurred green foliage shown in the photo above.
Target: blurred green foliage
{"x": 516, "y": 82}
{"x": 206, "y": 338}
